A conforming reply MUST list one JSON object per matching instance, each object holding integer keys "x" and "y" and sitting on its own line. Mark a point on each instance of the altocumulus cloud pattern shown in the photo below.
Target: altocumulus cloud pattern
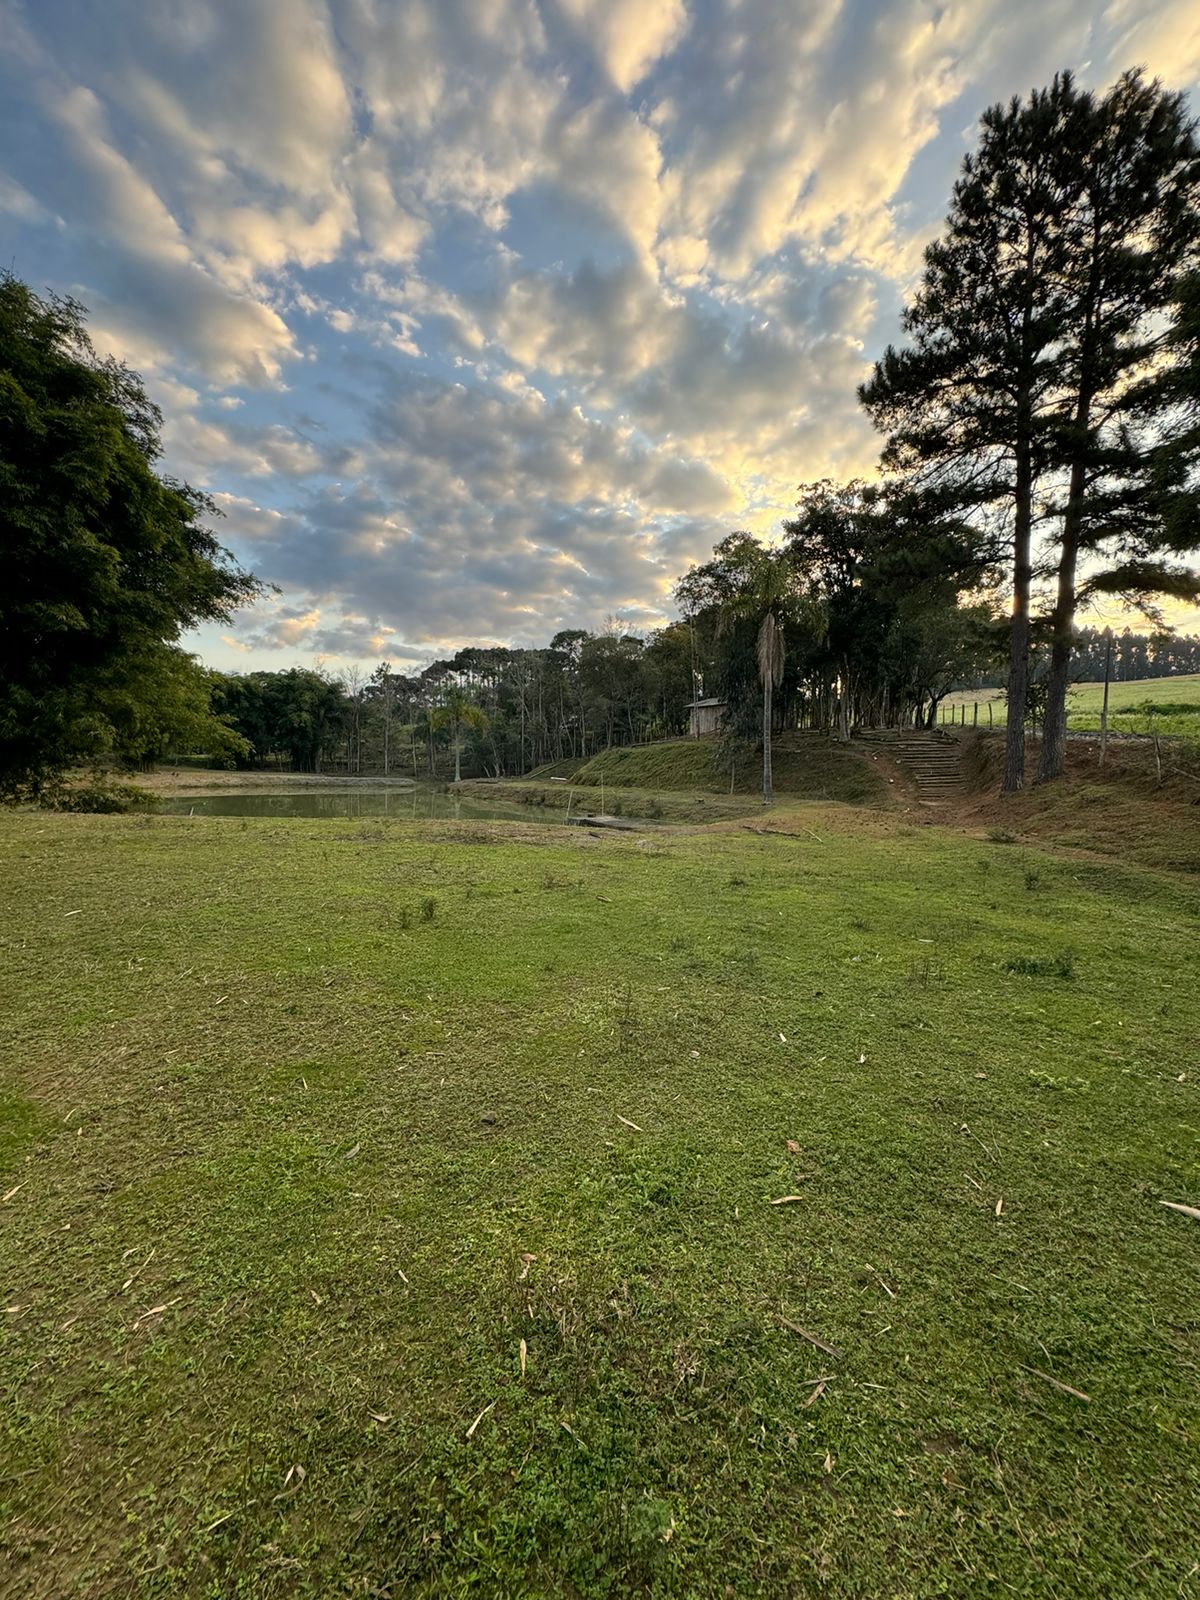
{"x": 483, "y": 318}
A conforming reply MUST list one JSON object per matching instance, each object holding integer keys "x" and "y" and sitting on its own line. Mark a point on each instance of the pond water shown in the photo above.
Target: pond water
{"x": 404, "y": 805}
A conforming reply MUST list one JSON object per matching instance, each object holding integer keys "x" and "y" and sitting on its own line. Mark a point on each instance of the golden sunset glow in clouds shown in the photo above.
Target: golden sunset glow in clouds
{"x": 485, "y": 318}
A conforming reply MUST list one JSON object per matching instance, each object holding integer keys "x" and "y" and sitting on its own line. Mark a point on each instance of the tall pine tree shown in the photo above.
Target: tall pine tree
{"x": 1041, "y": 386}
{"x": 969, "y": 403}
{"x": 1132, "y": 229}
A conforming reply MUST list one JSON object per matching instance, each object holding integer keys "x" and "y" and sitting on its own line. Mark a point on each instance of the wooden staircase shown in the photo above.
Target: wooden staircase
{"x": 931, "y": 757}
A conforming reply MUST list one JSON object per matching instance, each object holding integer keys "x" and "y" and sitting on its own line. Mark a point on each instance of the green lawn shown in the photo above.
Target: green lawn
{"x": 387, "y": 1211}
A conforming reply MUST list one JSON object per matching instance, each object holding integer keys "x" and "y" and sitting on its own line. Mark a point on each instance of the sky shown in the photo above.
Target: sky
{"x": 480, "y": 319}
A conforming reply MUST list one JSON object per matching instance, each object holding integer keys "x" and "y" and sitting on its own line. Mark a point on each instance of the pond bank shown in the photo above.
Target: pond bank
{"x": 202, "y": 780}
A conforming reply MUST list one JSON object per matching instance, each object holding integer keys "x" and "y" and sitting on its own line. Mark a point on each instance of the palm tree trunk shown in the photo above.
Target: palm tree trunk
{"x": 768, "y": 786}
{"x": 844, "y": 705}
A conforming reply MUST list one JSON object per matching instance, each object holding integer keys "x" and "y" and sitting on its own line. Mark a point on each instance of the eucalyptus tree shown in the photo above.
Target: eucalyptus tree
{"x": 382, "y": 689}
{"x": 354, "y": 682}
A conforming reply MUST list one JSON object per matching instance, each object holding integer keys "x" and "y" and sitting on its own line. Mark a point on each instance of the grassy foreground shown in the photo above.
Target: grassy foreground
{"x": 389, "y": 1210}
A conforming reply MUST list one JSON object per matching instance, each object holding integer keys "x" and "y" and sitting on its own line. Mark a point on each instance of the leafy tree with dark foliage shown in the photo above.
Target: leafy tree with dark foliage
{"x": 105, "y": 562}
{"x": 294, "y": 716}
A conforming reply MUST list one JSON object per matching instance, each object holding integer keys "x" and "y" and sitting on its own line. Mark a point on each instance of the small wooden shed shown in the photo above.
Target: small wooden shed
{"x": 705, "y": 717}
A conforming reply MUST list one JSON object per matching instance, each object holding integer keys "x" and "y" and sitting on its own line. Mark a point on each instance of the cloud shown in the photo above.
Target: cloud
{"x": 153, "y": 314}
{"x": 1163, "y": 37}
{"x": 604, "y": 156}
{"x": 483, "y": 317}
{"x": 627, "y": 36}
{"x": 18, "y": 202}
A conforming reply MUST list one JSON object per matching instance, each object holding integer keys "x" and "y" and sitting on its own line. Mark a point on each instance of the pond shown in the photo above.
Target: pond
{"x": 404, "y": 805}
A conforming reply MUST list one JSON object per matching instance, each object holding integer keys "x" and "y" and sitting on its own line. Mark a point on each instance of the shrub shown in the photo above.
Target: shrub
{"x": 1060, "y": 966}
{"x": 98, "y": 796}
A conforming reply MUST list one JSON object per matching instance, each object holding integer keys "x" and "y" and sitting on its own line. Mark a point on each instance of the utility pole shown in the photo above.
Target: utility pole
{"x": 1104, "y": 707}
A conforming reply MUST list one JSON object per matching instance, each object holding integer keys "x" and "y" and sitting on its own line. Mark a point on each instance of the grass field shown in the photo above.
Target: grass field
{"x": 1167, "y": 706}
{"x": 390, "y": 1210}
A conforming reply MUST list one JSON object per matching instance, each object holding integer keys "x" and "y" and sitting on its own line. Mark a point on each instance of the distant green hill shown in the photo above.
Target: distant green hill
{"x": 1139, "y": 705}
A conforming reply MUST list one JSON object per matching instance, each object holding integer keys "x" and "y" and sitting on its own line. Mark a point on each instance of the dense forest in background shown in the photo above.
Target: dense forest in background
{"x": 582, "y": 693}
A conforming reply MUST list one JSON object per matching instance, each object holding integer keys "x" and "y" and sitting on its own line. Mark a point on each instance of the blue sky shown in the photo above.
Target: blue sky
{"x": 485, "y": 318}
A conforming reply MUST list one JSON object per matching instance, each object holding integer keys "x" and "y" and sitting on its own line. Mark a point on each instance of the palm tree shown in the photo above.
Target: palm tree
{"x": 769, "y": 649}
{"x": 768, "y": 594}
{"x": 455, "y": 711}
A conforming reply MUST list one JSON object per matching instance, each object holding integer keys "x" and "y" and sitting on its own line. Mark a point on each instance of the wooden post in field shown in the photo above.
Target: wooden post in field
{"x": 989, "y": 713}
{"x": 1104, "y": 707}
{"x": 975, "y": 715}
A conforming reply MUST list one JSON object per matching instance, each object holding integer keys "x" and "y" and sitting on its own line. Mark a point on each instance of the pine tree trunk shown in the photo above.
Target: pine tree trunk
{"x": 1018, "y": 663}
{"x": 457, "y": 755}
{"x": 1054, "y": 720}
{"x": 768, "y": 784}
{"x": 1054, "y": 723}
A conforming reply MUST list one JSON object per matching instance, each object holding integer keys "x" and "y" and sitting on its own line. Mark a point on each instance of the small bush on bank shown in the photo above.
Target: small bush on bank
{"x": 1060, "y": 966}
{"x": 103, "y": 796}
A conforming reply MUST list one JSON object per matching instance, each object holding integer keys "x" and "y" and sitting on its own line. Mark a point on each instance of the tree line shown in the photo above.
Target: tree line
{"x": 501, "y": 712}
{"x": 1130, "y": 657}
{"x": 521, "y": 709}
